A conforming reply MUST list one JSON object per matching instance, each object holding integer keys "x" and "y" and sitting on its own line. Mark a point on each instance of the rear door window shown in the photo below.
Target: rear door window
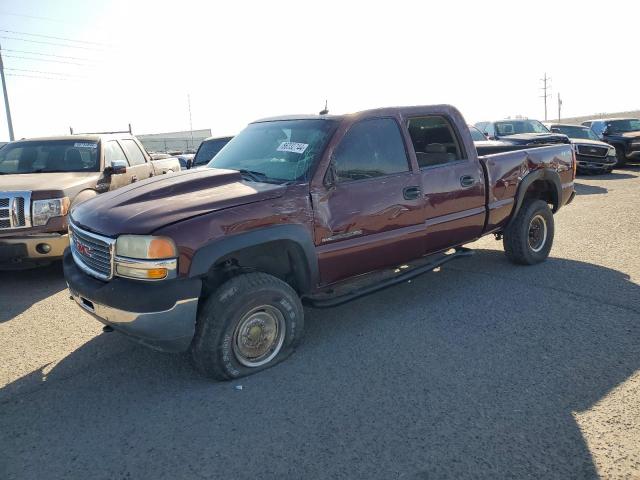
{"x": 434, "y": 141}
{"x": 371, "y": 148}
{"x": 134, "y": 154}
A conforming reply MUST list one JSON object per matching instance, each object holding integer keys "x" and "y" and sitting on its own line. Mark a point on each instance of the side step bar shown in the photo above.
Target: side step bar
{"x": 333, "y": 301}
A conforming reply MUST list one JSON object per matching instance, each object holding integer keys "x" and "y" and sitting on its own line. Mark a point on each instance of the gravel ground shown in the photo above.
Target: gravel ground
{"x": 483, "y": 369}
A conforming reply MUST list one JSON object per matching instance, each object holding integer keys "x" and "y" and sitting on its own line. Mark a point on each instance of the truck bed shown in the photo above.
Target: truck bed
{"x": 504, "y": 173}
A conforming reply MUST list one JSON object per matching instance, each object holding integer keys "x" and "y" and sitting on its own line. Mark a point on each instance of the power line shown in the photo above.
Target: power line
{"x": 45, "y": 72}
{"x": 50, "y": 60}
{"x": 48, "y": 55}
{"x": 54, "y": 38}
{"x": 35, "y": 17}
{"x": 48, "y": 43}
{"x": 35, "y": 76}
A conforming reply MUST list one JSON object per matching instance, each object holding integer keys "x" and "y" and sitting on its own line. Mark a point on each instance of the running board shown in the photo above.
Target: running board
{"x": 366, "y": 284}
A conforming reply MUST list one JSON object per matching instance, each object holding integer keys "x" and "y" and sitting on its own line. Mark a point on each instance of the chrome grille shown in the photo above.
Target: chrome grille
{"x": 15, "y": 210}
{"x": 593, "y": 151}
{"x": 92, "y": 253}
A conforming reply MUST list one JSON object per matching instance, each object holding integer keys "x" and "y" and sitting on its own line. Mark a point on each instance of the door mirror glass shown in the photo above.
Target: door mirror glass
{"x": 118, "y": 167}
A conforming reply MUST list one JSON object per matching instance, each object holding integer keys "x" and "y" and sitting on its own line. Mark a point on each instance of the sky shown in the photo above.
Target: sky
{"x": 242, "y": 60}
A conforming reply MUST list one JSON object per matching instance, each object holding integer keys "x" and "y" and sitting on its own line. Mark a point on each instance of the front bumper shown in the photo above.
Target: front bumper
{"x": 594, "y": 163}
{"x": 161, "y": 315}
{"x": 30, "y": 249}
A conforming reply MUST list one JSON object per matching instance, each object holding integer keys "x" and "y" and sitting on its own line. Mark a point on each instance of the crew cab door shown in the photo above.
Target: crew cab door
{"x": 452, "y": 182}
{"x": 370, "y": 214}
{"x": 140, "y": 168}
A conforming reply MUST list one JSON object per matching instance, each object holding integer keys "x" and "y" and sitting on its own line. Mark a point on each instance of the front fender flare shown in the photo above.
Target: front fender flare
{"x": 207, "y": 256}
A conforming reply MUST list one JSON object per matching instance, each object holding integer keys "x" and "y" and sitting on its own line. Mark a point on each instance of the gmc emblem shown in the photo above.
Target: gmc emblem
{"x": 83, "y": 249}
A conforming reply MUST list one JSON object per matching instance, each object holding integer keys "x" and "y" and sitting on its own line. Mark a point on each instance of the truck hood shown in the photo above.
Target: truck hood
{"x": 143, "y": 207}
{"x": 583, "y": 141}
{"x": 49, "y": 185}
{"x": 534, "y": 138}
{"x": 628, "y": 135}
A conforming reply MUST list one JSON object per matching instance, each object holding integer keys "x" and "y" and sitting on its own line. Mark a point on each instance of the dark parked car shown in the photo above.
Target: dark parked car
{"x": 320, "y": 209}
{"x": 622, "y": 133}
{"x": 208, "y": 149}
{"x": 593, "y": 155}
{"x": 520, "y": 132}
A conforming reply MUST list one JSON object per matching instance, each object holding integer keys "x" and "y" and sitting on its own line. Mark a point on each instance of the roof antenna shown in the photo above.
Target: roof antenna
{"x": 325, "y": 110}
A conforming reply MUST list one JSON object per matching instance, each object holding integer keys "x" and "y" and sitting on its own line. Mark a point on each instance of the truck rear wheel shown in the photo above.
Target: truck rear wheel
{"x": 529, "y": 238}
{"x": 251, "y": 322}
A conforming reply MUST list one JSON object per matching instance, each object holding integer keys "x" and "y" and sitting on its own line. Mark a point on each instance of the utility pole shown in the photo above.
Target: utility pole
{"x": 559, "y": 108}
{"x": 190, "y": 124}
{"x": 6, "y": 99}
{"x": 545, "y": 87}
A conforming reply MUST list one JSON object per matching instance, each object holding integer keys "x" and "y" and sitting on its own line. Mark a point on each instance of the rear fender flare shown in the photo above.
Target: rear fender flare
{"x": 208, "y": 255}
{"x": 547, "y": 175}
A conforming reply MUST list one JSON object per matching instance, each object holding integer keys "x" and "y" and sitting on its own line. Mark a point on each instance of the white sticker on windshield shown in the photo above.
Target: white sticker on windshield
{"x": 292, "y": 147}
{"x": 85, "y": 145}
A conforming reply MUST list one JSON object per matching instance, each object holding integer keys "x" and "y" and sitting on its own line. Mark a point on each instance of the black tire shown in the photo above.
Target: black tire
{"x": 516, "y": 239}
{"x": 622, "y": 158}
{"x": 215, "y": 348}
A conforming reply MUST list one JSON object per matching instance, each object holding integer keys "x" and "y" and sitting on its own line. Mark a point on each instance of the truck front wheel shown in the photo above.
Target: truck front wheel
{"x": 251, "y": 322}
{"x": 528, "y": 239}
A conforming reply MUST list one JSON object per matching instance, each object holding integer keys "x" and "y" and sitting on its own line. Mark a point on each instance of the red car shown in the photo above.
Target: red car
{"x": 315, "y": 209}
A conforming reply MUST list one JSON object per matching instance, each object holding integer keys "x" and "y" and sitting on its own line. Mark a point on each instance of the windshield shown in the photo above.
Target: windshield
{"x": 514, "y": 127}
{"x": 278, "y": 151}
{"x": 49, "y": 156}
{"x": 476, "y": 134}
{"x": 623, "y": 126}
{"x": 209, "y": 149}
{"x": 576, "y": 132}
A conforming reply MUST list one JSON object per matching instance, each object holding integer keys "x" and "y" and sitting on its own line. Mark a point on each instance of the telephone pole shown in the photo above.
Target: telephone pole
{"x": 190, "y": 123}
{"x": 559, "y": 108}
{"x": 6, "y": 99}
{"x": 546, "y": 87}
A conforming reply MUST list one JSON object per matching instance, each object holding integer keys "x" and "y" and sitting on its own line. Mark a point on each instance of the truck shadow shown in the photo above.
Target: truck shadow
{"x": 475, "y": 371}
{"x": 584, "y": 189}
{"x": 20, "y": 289}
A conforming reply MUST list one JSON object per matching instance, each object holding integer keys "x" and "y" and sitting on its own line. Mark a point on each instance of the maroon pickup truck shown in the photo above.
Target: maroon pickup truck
{"x": 315, "y": 209}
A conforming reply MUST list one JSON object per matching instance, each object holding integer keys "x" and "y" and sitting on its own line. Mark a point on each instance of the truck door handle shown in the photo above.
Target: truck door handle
{"x": 411, "y": 193}
{"x": 467, "y": 181}
{"x": 134, "y": 178}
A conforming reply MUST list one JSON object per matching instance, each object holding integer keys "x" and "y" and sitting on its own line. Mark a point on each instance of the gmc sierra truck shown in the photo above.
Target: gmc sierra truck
{"x": 315, "y": 209}
{"x": 41, "y": 178}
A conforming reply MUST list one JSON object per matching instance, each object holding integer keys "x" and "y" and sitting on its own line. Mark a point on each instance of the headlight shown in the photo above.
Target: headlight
{"x": 611, "y": 152}
{"x": 43, "y": 210}
{"x": 146, "y": 257}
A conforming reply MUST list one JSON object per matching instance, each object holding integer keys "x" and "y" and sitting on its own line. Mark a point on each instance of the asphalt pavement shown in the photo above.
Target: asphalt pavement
{"x": 480, "y": 370}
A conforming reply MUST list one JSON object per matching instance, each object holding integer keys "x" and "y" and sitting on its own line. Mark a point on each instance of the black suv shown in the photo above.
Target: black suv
{"x": 622, "y": 133}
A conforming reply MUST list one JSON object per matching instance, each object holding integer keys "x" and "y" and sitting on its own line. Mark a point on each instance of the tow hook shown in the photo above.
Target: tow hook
{"x": 107, "y": 329}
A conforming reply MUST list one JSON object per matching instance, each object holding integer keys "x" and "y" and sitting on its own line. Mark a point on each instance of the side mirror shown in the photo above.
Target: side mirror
{"x": 118, "y": 167}
{"x": 606, "y": 131}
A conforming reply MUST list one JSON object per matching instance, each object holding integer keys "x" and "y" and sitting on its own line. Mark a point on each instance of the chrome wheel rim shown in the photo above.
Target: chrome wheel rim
{"x": 259, "y": 336}
{"x": 537, "y": 233}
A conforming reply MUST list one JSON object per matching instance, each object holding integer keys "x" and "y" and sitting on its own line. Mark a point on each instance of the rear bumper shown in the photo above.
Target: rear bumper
{"x": 161, "y": 315}
{"x": 31, "y": 248}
